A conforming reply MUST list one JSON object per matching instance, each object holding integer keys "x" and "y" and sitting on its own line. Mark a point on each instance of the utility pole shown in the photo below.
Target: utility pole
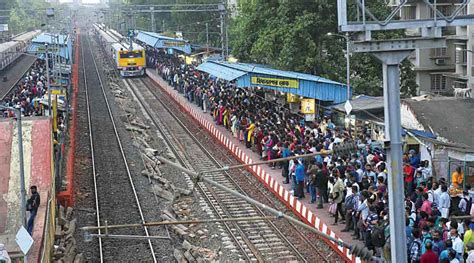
{"x": 222, "y": 35}
{"x": 207, "y": 38}
{"x": 163, "y": 26}
{"x": 226, "y": 41}
{"x": 48, "y": 80}
{"x": 130, "y": 15}
{"x": 391, "y": 53}
{"x": 22, "y": 168}
{"x": 153, "y": 26}
{"x": 348, "y": 66}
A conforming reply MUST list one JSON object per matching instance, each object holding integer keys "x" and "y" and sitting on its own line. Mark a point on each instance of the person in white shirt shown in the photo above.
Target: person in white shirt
{"x": 359, "y": 172}
{"x": 458, "y": 245}
{"x": 470, "y": 254}
{"x": 444, "y": 202}
{"x": 433, "y": 194}
{"x": 4, "y": 257}
{"x": 426, "y": 170}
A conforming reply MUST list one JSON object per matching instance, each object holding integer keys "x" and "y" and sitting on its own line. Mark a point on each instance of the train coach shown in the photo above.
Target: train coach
{"x": 11, "y": 50}
{"x": 129, "y": 59}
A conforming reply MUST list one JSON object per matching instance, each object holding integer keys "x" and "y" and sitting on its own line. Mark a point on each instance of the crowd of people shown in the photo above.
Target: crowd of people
{"x": 353, "y": 187}
{"x": 28, "y": 92}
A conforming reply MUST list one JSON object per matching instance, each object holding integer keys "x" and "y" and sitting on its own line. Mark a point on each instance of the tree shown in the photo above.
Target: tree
{"x": 26, "y": 15}
{"x": 291, "y": 35}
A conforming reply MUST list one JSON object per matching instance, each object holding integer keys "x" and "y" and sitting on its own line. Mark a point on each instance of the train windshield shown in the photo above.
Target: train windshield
{"x": 131, "y": 54}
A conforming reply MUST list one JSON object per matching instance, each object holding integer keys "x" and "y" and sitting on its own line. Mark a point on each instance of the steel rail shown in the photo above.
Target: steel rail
{"x": 219, "y": 165}
{"x": 226, "y": 174}
{"x": 297, "y": 231}
{"x": 94, "y": 174}
{"x": 124, "y": 158}
{"x": 177, "y": 153}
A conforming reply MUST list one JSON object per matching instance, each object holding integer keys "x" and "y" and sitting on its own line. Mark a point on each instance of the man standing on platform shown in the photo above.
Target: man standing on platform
{"x": 350, "y": 204}
{"x": 32, "y": 205}
{"x": 321, "y": 184}
{"x": 444, "y": 201}
{"x": 299, "y": 176}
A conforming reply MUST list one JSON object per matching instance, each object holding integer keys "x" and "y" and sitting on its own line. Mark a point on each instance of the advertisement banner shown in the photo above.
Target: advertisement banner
{"x": 308, "y": 106}
{"x": 292, "y": 98}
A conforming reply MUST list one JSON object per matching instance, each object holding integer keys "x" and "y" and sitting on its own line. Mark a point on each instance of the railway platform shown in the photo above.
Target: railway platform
{"x": 38, "y": 171}
{"x": 13, "y": 73}
{"x": 272, "y": 179}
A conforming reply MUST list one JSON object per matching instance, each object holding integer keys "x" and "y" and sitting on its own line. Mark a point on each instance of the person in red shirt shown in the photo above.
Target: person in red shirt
{"x": 429, "y": 256}
{"x": 408, "y": 172}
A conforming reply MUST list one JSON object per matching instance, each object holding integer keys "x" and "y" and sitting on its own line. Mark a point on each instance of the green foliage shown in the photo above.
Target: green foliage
{"x": 192, "y": 25}
{"x": 292, "y": 35}
{"x": 26, "y": 15}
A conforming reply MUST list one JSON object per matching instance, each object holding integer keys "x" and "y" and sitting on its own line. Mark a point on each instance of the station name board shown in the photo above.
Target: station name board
{"x": 173, "y": 44}
{"x": 275, "y": 82}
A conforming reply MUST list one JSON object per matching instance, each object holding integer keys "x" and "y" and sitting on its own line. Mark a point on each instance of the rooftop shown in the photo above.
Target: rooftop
{"x": 362, "y": 103}
{"x": 450, "y": 118}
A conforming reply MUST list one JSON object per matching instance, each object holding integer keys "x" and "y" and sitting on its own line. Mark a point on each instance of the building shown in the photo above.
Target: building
{"x": 447, "y": 119}
{"x": 440, "y": 70}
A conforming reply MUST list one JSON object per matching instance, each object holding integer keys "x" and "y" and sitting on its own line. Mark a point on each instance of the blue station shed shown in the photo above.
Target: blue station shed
{"x": 251, "y": 75}
{"x": 57, "y": 44}
{"x": 164, "y": 42}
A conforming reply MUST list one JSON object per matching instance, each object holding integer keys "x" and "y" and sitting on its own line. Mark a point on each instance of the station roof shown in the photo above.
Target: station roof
{"x": 160, "y": 41}
{"x": 362, "y": 103}
{"x": 253, "y": 75}
{"x": 37, "y": 45}
{"x": 49, "y": 38}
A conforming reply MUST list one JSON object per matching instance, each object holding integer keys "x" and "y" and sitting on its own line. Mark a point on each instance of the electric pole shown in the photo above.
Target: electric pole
{"x": 153, "y": 26}
{"x": 207, "y": 38}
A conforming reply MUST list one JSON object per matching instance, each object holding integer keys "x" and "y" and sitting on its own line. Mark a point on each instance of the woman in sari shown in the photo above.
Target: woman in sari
{"x": 249, "y": 133}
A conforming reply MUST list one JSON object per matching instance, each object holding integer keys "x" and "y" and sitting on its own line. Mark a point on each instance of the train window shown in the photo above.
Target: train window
{"x": 132, "y": 54}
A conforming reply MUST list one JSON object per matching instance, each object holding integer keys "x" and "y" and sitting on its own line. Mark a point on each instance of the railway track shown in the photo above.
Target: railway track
{"x": 111, "y": 173}
{"x": 257, "y": 241}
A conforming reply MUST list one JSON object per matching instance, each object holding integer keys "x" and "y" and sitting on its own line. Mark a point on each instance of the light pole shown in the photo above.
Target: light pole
{"x": 348, "y": 63}
{"x": 207, "y": 38}
{"x": 22, "y": 165}
{"x": 47, "y": 79}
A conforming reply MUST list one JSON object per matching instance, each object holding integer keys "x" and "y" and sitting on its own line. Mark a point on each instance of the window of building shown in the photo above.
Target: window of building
{"x": 448, "y": 9}
{"x": 439, "y": 52}
{"x": 408, "y": 12}
{"x": 461, "y": 55}
{"x": 438, "y": 82}
{"x": 460, "y": 85}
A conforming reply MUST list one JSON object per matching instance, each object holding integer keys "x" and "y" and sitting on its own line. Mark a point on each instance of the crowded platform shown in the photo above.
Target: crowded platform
{"x": 353, "y": 188}
{"x": 28, "y": 92}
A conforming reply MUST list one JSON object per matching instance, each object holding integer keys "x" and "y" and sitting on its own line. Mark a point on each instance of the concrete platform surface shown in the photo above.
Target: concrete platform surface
{"x": 272, "y": 179}
{"x": 37, "y": 149}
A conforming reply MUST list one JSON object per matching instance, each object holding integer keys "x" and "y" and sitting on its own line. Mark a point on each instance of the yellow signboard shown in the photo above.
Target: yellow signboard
{"x": 276, "y": 82}
{"x": 58, "y": 91}
{"x": 290, "y": 98}
{"x": 308, "y": 106}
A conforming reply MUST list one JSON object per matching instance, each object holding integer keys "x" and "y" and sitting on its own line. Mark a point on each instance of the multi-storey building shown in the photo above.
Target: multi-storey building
{"x": 440, "y": 70}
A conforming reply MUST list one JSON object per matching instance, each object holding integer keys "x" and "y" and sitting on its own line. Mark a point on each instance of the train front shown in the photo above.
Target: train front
{"x": 131, "y": 62}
